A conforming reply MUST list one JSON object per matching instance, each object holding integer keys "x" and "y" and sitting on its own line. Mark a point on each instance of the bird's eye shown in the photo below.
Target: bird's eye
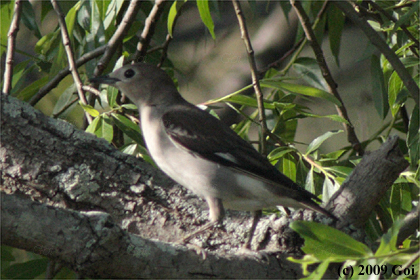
{"x": 129, "y": 73}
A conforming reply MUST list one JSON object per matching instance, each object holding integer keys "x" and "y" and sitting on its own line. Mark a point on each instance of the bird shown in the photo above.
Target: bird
{"x": 202, "y": 153}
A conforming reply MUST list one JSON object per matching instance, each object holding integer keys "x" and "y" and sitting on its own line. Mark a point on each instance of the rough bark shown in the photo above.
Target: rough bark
{"x": 74, "y": 198}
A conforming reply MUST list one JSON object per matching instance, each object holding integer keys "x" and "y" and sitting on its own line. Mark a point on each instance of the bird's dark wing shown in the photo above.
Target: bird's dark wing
{"x": 205, "y": 136}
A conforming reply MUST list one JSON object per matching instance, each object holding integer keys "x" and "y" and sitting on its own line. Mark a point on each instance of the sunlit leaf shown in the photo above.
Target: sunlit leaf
{"x": 173, "y": 11}
{"x": 301, "y": 89}
{"x": 204, "y": 10}
{"x": 89, "y": 109}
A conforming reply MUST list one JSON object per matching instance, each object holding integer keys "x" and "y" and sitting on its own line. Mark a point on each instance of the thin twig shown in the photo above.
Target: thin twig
{"x": 298, "y": 46}
{"x": 63, "y": 73}
{"x": 149, "y": 30}
{"x": 117, "y": 38}
{"x": 93, "y": 90}
{"x": 70, "y": 56}
{"x": 326, "y": 73}
{"x": 11, "y": 42}
{"x": 164, "y": 50}
{"x": 382, "y": 46}
{"x": 254, "y": 74}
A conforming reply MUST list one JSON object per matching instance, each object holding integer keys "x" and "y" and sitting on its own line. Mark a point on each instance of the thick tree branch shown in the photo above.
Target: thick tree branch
{"x": 382, "y": 46}
{"x": 95, "y": 246}
{"x": 363, "y": 190}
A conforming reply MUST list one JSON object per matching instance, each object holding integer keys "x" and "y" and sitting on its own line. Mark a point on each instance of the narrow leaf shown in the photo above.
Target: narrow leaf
{"x": 300, "y": 89}
{"x": 335, "y": 29}
{"x": 204, "y": 10}
{"x": 319, "y": 140}
{"x": 380, "y": 94}
{"x": 173, "y": 11}
{"x": 327, "y": 243}
{"x": 28, "y": 18}
{"x": 107, "y": 131}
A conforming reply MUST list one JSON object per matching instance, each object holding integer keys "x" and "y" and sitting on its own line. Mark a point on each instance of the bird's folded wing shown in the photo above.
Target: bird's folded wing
{"x": 203, "y": 135}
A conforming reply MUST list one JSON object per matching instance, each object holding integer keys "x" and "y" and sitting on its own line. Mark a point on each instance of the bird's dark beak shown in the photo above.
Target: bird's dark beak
{"x": 104, "y": 80}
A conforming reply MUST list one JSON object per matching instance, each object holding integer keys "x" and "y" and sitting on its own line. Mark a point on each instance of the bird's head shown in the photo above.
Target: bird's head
{"x": 144, "y": 84}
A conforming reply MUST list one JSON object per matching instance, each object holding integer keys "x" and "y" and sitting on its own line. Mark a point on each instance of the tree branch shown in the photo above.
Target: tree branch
{"x": 382, "y": 46}
{"x": 63, "y": 73}
{"x": 11, "y": 42}
{"x": 254, "y": 74}
{"x": 149, "y": 30}
{"x": 332, "y": 86}
{"x": 118, "y": 36}
{"x": 362, "y": 191}
{"x": 410, "y": 225}
{"x": 70, "y": 56}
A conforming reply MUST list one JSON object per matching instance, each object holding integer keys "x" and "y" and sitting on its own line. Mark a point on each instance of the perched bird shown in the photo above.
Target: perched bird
{"x": 202, "y": 153}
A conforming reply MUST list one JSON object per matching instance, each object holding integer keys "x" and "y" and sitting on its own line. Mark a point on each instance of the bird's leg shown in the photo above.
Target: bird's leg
{"x": 256, "y": 217}
{"x": 217, "y": 212}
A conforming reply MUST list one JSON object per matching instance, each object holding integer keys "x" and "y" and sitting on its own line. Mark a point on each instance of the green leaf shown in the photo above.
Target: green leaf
{"x": 93, "y": 126}
{"x": 413, "y": 137}
{"x": 129, "y": 128}
{"x": 173, "y": 11}
{"x": 300, "y": 89}
{"x": 26, "y": 270}
{"x": 106, "y": 131}
{"x": 249, "y": 101}
{"x": 389, "y": 240}
{"x": 6, "y": 14}
{"x": 32, "y": 89}
{"x": 28, "y": 18}
{"x": 89, "y": 109}
{"x": 342, "y": 171}
{"x": 326, "y": 243}
{"x": 130, "y": 106}
{"x": 328, "y": 189}
{"x": 379, "y": 91}
{"x": 308, "y": 69}
{"x": 314, "y": 145}
{"x": 278, "y": 153}
{"x": 335, "y": 118}
{"x": 310, "y": 183}
{"x": 204, "y": 10}
{"x": 335, "y": 29}
{"x": 19, "y": 74}
{"x": 289, "y": 167}
{"x": 406, "y": 17}
{"x": 395, "y": 86}
{"x": 319, "y": 272}
{"x": 65, "y": 98}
